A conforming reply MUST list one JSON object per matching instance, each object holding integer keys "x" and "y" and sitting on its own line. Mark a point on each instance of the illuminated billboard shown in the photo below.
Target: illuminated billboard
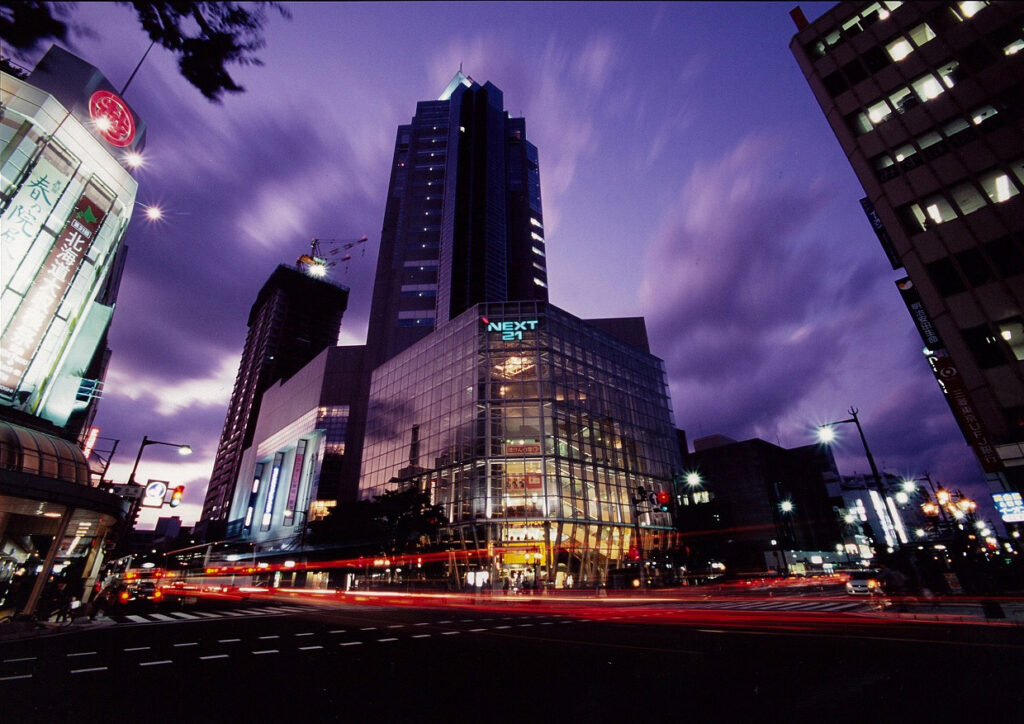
{"x": 1010, "y": 507}
{"x": 66, "y": 197}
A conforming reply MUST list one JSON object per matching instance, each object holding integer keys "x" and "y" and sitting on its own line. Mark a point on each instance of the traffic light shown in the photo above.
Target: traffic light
{"x": 663, "y": 500}
{"x": 176, "y": 495}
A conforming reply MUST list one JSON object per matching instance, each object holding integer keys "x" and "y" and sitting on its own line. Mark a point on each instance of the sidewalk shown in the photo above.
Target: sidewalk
{"x": 13, "y": 630}
{"x": 980, "y": 611}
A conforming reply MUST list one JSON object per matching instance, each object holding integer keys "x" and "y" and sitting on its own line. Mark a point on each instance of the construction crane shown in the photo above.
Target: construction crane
{"x": 316, "y": 263}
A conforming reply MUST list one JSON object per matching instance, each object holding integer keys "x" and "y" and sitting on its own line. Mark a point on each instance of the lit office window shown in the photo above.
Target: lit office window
{"x": 1011, "y": 331}
{"x": 970, "y": 9}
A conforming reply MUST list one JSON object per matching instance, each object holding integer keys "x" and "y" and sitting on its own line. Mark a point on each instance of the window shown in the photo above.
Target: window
{"x": 1011, "y": 331}
{"x": 945, "y": 277}
{"x": 901, "y": 47}
{"x": 975, "y": 269}
{"x": 998, "y": 186}
{"x": 967, "y": 198}
{"x": 937, "y": 210}
{"x": 985, "y": 346}
{"x": 1006, "y": 256}
{"x": 969, "y": 9}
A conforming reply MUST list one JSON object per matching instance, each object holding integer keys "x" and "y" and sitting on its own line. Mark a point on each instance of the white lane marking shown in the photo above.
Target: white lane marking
{"x": 711, "y": 630}
{"x": 272, "y": 636}
{"x": 524, "y": 624}
{"x": 397, "y": 625}
{"x": 209, "y": 614}
{"x": 137, "y": 618}
{"x": 421, "y": 636}
{"x": 421, "y": 624}
{"x": 475, "y": 630}
{"x": 368, "y": 628}
{"x": 449, "y": 633}
{"x": 18, "y": 676}
{"x": 266, "y": 651}
{"x": 85, "y": 671}
{"x": 444, "y": 621}
{"x": 180, "y": 614}
{"x": 155, "y": 663}
{"x": 161, "y": 617}
{"x": 309, "y": 648}
{"x": 306, "y": 633}
{"x": 350, "y": 643}
{"x": 187, "y": 643}
{"x": 138, "y": 648}
{"x": 83, "y": 653}
{"x": 546, "y": 623}
{"x": 228, "y": 641}
{"x": 213, "y": 656}
{"x": 235, "y": 612}
{"x": 23, "y": 658}
{"x": 497, "y": 627}
{"x": 390, "y": 639}
{"x": 337, "y": 630}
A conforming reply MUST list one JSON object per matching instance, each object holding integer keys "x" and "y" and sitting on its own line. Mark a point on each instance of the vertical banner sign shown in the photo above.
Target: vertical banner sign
{"x": 883, "y": 236}
{"x": 24, "y": 334}
{"x": 922, "y": 321}
{"x": 970, "y": 423}
{"x": 293, "y": 490}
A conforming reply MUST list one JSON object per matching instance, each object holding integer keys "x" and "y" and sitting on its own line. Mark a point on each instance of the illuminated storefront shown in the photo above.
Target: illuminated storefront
{"x": 67, "y": 142}
{"x": 532, "y": 429}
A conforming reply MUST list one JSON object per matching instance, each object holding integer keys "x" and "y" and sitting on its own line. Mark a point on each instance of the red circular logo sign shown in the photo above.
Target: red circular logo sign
{"x": 112, "y": 118}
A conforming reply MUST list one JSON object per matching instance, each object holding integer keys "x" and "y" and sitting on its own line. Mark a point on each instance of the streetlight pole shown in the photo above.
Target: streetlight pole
{"x": 133, "y": 510}
{"x": 826, "y": 435}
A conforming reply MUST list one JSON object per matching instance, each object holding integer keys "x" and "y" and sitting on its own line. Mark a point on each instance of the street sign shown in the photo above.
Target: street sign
{"x": 154, "y": 495}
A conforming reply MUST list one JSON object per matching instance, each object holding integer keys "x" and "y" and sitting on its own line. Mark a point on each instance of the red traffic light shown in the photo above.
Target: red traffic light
{"x": 176, "y": 495}
{"x": 663, "y": 497}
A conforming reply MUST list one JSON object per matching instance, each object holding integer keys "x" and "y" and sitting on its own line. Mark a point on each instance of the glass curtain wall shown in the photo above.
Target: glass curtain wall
{"x": 533, "y": 431}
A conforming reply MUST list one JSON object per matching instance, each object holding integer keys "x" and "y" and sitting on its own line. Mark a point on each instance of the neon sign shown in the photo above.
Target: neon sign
{"x": 511, "y": 330}
{"x": 112, "y": 118}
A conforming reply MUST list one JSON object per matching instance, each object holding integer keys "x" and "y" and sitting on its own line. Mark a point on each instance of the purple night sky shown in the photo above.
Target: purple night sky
{"x": 687, "y": 174}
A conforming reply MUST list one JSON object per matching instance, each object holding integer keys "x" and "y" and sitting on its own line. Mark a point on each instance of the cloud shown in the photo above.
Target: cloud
{"x": 168, "y": 396}
{"x": 562, "y": 102}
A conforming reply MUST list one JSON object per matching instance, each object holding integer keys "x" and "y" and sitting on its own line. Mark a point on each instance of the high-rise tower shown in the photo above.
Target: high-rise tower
{"x": 294, "y": 318}
{"x": 463, "y": 222}
{"x": 926, "y": 100}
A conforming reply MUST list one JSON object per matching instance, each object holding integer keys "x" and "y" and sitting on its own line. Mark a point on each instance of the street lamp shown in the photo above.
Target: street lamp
{"x": 827, "y": 434}
{"x": 182, "y": 450}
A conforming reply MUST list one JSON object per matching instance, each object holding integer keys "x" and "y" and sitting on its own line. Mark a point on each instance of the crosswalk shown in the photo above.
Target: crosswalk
{"x": 783, "y": 605}
{"x": 177, "y": 616}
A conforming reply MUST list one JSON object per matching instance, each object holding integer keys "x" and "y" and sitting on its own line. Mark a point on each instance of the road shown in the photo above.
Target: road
{"x": 412, "y": 660}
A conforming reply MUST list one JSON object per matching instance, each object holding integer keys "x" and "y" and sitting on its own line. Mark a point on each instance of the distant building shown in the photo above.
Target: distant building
{"x": 753, "y": 503}
{"x": 294, "y": 318}
{"x": 926, "y": 101}
{"x": 67, "y": 143}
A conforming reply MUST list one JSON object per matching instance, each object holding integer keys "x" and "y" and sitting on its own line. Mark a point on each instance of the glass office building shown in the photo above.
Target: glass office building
{"x": 533, "y": 430}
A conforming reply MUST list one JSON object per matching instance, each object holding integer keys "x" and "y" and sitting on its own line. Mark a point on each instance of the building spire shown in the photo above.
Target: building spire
{"x": 458, "y": 79}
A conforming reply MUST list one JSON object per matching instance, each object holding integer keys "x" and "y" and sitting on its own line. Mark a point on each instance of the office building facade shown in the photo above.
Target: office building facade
{"x": 294, "y": 318}
{"x": 753, "y": 505}
{"x": 532, "y": 430}
{"x": 463, "y": 222}
{"x": 927, "y": 101}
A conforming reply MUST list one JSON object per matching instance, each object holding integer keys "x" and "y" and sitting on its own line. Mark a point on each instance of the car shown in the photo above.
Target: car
{"x": 863, "y": 583}
{"x": 146, "y": 591}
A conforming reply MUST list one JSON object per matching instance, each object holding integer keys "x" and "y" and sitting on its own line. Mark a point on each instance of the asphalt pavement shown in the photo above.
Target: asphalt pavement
{"x": 384, "y": 660}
